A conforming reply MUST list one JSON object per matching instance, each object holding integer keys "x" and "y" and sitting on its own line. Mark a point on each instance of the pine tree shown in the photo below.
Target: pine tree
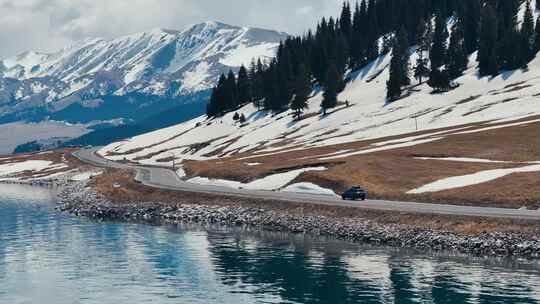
{"x": 471, "y": 16}
{"x": 340, "y": 54}
{"x": 358, "y": 37}
{"x": 236, "y": 116}
{"x": 399, "y": 71}
{"x": 333, "y": 84}
{"x": 218, "y": 102}
{"x": 536, "y": 47}
{"x": 403, "y": 43}
{"x": 242, "y": 119}
{"x": 509, "y": 50}
{"x": 393, "y": 85}
{"x": 345, "y": 22}
{"x": 372, "y": 47}
{"x": 230, "y": 92}
{"x": 421, "y": 68}
{"x": 301, "y": 91}
{"x": 284, "y": 77}
{"x": 244, "y": 87}
{"x": 457, "y": 59}
{"x": 437, "y": 54}
{"x": 439, "y": 80}
{"x": 257, "y": 84}
{"x": 527, "y": 35}
{"x": 488, "y": 63}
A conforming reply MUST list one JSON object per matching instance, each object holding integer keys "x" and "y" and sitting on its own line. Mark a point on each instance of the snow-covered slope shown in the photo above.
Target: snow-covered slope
{"x": 508, "y": 97}
{"x": 159, "y": 62}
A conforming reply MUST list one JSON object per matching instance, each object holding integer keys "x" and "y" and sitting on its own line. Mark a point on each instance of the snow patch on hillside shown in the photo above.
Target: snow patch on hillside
{"x": 472, "y": 179}
{"x": 19, "y": 167}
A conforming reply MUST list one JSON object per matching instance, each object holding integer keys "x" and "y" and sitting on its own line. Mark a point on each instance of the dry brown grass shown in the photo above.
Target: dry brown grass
{"x": 390, "y": 174}
{"x": 133, "y": 192}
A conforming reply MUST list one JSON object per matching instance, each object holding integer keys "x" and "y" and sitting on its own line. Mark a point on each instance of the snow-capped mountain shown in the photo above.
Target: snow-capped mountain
{"x": 163, "y": 63}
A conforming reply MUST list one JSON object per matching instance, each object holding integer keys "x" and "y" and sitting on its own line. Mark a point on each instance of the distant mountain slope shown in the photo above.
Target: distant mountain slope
{"x": 161, "y": 120}
{"x": 164, "y": 64}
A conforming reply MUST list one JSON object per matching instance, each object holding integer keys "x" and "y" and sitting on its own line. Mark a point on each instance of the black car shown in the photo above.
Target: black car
{"x": 354, "y": 194}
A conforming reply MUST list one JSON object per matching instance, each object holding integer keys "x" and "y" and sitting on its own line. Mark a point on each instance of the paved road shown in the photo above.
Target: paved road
{"x": 163, "y": 178}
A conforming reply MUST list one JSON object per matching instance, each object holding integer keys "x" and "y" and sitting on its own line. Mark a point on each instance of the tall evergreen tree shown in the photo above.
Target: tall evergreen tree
{"x": 471, "y": 15}
{"x": 527, "y": 35}
{"x": 536, "y": 47}
{"x": 231, "y": 90}
{"x": 457, "y": 59}
{"x": 509, "y": 52}
{"x": 211, "y": 110}
{"x": 218, "y": 101}
{"x": 399, "y": 66}
{"x": 372, "y": 32}
{"x": 421, "y": 69}
{"x": 257, "y": 83}
{"x": 340, "y": 53}
{"x": 345, "y": 22}
{"x": 358, "y": 40}
{"x": 332, "y": 86}
{"x": 302, "y": 89}
{"x": 244, "y": 86}
{"x": 437, "y": 54}
{"x": 488, "y": 63}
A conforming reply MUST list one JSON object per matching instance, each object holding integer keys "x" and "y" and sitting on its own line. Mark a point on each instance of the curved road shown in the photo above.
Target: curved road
{"x": 163, "y": 178}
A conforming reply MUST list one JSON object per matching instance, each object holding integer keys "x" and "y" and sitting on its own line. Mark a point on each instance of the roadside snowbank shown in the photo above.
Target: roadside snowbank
{"x": 308, "y": 188}
{"x": 271, "y": 182}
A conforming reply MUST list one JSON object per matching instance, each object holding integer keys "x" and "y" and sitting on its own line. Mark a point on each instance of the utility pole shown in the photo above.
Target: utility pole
{"x": 173, "y": 161}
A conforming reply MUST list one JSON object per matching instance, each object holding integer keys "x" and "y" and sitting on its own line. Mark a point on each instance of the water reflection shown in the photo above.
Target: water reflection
{"x": 47, "y": 257}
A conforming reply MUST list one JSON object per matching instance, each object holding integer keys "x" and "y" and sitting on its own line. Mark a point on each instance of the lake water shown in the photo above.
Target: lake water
{"x": 47, "y": 257}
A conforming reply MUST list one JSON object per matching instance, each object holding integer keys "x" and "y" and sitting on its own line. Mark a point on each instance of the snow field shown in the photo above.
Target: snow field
{"x": 472, "y": 179}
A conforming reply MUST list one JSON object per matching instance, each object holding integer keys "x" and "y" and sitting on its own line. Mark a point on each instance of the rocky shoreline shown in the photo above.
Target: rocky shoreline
{"x": 79, "y": 200}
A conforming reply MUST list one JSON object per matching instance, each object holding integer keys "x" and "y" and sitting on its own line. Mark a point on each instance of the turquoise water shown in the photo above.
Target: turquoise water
{"x": 46, "y": 257}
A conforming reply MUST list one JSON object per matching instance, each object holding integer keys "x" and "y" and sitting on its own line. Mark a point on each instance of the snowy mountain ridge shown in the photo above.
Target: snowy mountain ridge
{"x": 158, "y": 62}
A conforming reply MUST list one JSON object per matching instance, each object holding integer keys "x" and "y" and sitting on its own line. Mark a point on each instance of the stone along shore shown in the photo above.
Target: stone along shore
{"x": 79, "y": 200}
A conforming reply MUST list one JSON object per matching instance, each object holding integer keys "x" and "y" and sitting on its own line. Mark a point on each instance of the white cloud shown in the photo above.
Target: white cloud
{"x": 46, "y": 25}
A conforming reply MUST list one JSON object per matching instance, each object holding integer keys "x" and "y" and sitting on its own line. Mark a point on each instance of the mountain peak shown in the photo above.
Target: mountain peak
{"x": 160, "y": 31}
{"x": 208, "y": 26}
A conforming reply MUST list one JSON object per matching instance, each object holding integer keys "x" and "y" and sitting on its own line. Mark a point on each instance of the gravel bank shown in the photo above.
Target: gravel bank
{"x": 79, "y": 200}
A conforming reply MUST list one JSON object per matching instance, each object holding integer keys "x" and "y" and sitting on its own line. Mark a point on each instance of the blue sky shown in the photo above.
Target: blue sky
{"x": 46, "y": 25}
